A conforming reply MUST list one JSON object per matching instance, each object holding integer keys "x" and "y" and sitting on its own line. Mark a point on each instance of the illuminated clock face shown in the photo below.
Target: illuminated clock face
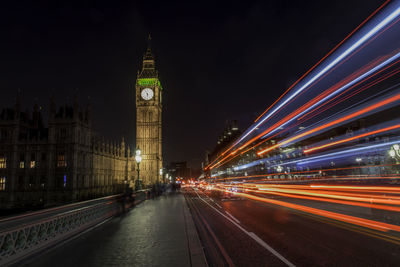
{"x": 147, "y": 94}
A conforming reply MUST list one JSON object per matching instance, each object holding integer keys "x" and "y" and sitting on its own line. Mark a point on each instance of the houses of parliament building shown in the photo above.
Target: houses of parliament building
{"x": 64, "y": 161}
{"x": 60, "y": 163}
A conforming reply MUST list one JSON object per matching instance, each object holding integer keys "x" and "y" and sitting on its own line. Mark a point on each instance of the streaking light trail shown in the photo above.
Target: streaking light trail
{"x": 332, "y": 123}
{"x": 352, "y": 138}
{"x": 368, "y": 223}
{"x": 330, "y": 52}
{"x": 342, "y": 56}
{"x": 320, "y": 101}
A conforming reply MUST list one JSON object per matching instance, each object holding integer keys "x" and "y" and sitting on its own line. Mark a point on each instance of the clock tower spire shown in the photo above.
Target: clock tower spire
{"x": 149, "y": 119}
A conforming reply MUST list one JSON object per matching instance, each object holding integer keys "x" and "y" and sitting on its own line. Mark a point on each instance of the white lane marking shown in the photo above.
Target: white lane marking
{"x": 218, "y": 205}
{"x": 253, "y": 236}
{"x": 233, "y": 218}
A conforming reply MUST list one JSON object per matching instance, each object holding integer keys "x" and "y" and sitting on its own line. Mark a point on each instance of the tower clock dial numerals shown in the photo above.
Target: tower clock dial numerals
{"x": 147, "y": 94}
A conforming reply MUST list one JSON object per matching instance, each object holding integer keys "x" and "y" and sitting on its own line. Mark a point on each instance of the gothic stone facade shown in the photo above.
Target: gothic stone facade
{"x": 149, "y": 120}
{"x": 64, "y": 162}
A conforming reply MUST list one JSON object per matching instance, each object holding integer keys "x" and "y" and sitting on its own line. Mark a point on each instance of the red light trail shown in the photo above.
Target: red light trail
{"x": 335, "y": 122}
{"x": 352, "y": 138}
{"x": 322, "y": 59}
{"x": 358, "y": 196}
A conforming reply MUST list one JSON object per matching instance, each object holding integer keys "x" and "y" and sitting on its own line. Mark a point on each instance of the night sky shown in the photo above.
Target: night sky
{"x": 217, "y": 61}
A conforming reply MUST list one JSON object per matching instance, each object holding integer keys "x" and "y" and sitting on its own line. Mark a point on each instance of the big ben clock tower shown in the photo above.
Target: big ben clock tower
{"x": 148, "y": 119}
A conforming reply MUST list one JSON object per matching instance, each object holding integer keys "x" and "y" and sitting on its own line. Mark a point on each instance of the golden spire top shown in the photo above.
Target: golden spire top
{"x": 148, "y": 55}
{"x": 148, "y": 67}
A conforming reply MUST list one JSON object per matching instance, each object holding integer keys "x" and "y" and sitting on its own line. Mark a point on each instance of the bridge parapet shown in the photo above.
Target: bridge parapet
{"x": 24, "y": 235}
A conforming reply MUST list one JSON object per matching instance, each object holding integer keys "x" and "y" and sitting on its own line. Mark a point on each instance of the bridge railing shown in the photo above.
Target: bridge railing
{"x": 24, "y": 235}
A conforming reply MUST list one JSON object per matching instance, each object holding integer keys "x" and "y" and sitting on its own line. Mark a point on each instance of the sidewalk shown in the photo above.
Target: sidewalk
{"x": 158, "y": 232}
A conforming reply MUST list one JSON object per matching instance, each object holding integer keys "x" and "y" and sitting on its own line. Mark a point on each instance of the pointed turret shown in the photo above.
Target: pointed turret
{"x": 128, "y": 151}
{"x": 148, "y": 66}
{"x": 148, "y": 55}
{"x": 123, "y": 147}
{"x": 108, "y": 146}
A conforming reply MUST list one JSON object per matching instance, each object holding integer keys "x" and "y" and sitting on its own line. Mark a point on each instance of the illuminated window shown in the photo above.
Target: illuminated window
{"x": 2, "y": 183}
{"x": 3, "y": 162}
{"x": 33, "y": 161}
{"x": 61, "y": 161}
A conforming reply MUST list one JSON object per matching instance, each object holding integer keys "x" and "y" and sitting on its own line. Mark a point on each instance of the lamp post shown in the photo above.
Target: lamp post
{"x": 138, "y": 159}
{"x": 161, "y": 175}
{"x": 126, "y": 187}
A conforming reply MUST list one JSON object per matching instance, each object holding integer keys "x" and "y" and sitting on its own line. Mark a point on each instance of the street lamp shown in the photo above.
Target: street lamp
{"x": 138, "y": 159}
{"x": 161, "y": 175}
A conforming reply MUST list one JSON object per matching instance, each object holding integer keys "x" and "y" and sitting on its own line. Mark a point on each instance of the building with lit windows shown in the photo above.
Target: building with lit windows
{"x": 62, "y": 162}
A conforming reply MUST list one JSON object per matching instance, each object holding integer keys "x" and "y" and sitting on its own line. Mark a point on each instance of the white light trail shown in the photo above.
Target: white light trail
{"x": 348, "y": 51}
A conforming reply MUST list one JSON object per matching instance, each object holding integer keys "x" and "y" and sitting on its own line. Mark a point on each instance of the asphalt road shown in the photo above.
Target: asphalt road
{"x": 251, "y": 233}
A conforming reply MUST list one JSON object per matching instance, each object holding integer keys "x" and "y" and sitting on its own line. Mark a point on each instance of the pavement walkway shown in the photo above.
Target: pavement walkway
{"x": 158, "y": 232}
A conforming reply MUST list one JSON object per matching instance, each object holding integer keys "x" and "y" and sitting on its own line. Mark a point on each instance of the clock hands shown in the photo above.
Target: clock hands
{"x": 147, "y": 94}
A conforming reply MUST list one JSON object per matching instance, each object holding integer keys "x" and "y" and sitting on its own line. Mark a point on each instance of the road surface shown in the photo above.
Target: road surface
{"x": 242, "y": 232}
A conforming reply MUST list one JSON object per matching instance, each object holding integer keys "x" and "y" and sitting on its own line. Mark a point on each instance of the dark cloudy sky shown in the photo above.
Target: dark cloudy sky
{"x": 217, "y": 60}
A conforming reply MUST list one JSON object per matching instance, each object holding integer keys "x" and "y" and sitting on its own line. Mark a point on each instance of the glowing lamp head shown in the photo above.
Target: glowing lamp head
{"x": 396, "y": 147}
{"x": 392, "y": 153}
{"x": 138, "y": 152}
{"x": 138, "y": 158}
